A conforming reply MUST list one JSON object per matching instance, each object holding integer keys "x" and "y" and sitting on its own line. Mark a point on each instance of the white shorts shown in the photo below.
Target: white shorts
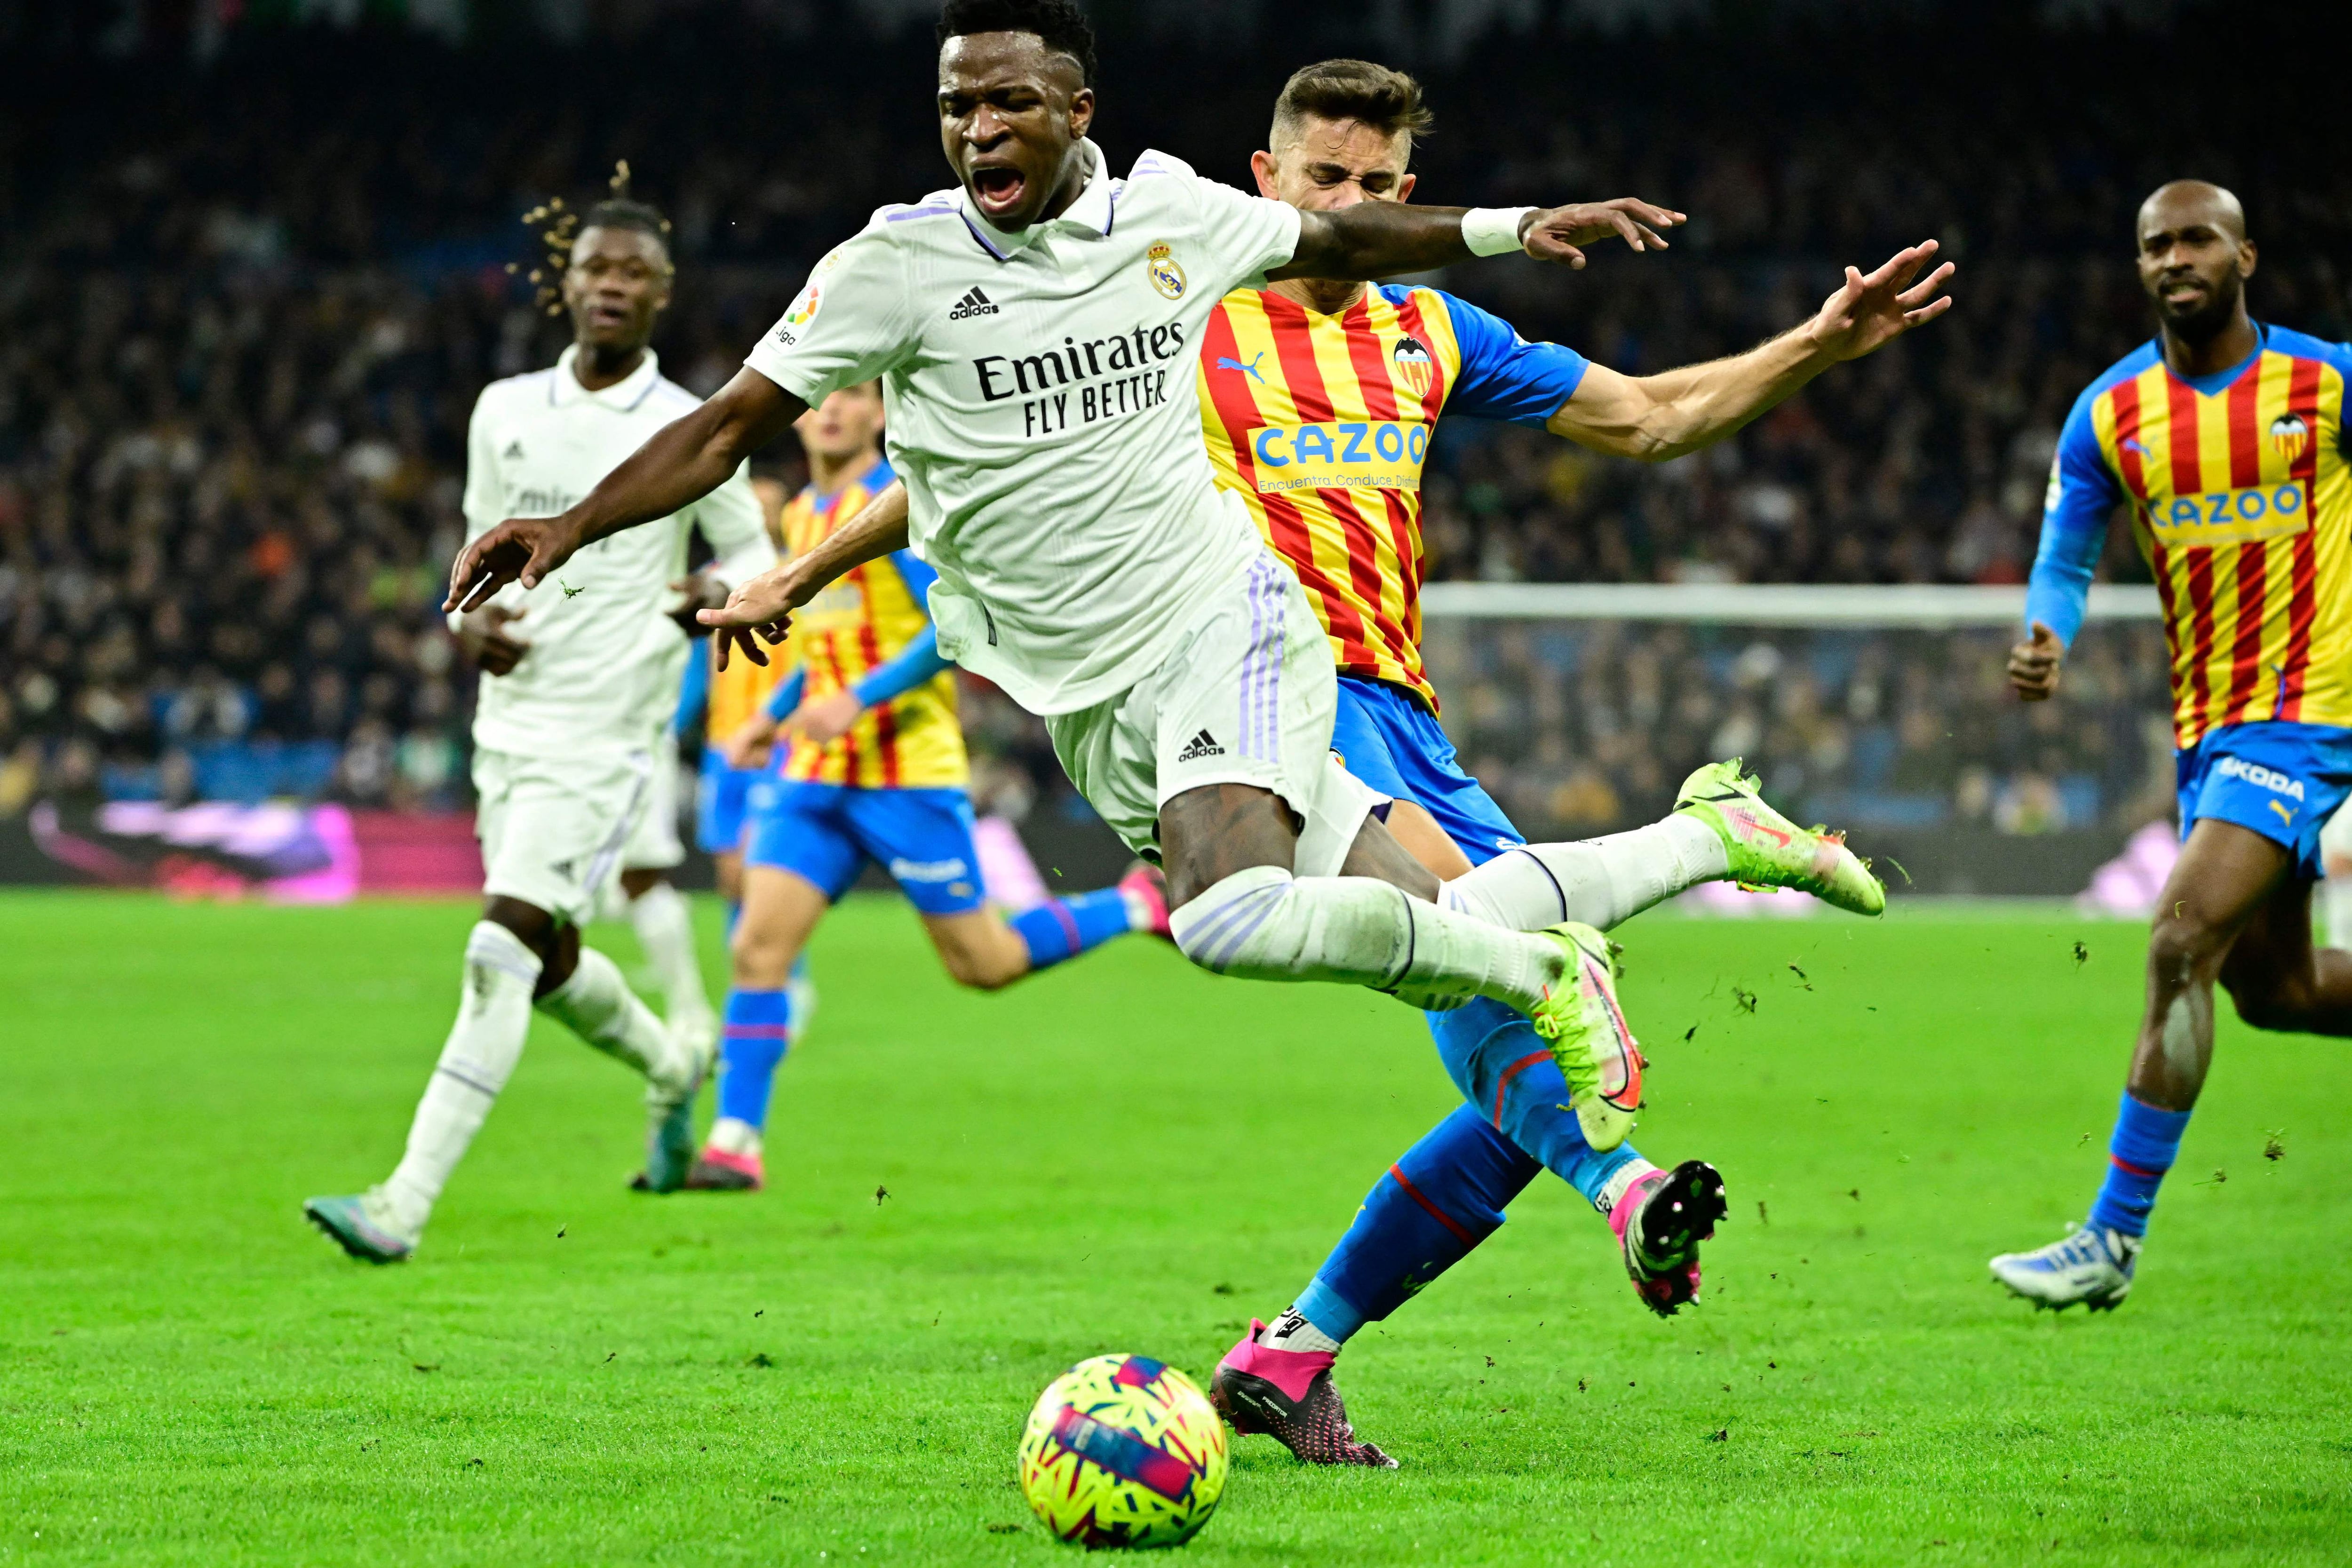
{"x": 552, "y": 831}
{"x": 654, "y": 844}
{"x": 1247, "y": 697}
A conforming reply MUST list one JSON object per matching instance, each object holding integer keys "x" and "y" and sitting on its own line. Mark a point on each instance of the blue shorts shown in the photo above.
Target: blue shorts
{"x": 722, "y": 803}
{"x": 2281, "y": 780}
{"x": 1385, "y": 738}
{"x": 825, "y": 833}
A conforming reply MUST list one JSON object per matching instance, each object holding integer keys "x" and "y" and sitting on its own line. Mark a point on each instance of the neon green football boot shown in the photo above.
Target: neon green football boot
{"x": 1597, "y": 1053}
{"x": 1768, "y": 850}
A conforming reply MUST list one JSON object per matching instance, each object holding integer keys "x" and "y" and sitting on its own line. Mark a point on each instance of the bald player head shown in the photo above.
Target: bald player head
{"x": 2195, "y": 258}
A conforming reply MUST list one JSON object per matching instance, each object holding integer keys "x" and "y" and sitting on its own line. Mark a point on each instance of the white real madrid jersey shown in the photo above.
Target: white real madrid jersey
{"x": 605, "y": 660}
{"x": 1040, "y": 409}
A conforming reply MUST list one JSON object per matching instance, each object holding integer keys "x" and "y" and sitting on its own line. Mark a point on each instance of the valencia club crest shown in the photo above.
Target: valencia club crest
{"x": 1413, "y": 366}
{"x": 2289, "y": 435}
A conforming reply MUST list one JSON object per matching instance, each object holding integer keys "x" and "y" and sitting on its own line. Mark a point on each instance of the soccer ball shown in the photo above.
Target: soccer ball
{"x": 1123, "y": 1450}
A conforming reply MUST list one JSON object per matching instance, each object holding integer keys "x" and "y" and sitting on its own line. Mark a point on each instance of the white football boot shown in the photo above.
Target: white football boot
{"x": 2089, "y": 1266}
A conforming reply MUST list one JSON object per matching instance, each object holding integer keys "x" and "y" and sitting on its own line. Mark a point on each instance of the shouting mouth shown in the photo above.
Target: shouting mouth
{"x": 998, "y": 189}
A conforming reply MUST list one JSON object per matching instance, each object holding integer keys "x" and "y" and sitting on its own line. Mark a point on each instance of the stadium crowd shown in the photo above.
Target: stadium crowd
{"x": 237, "y": 352}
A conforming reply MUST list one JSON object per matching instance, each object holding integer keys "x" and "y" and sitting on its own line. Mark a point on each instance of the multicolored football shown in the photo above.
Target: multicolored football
{"x": 1123, "y": 1450}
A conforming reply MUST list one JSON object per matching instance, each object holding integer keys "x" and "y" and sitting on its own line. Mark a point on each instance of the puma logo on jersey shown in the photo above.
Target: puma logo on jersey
{"x": 974, "y": 303}
{"x": 1201, "y": 745}
{"x": 1249, "y": 370}
{"x": 2286, "y": 813}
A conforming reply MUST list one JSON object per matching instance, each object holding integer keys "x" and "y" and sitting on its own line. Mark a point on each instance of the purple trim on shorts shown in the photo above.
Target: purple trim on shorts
{"x": 1263, "y": 734}
{"x": 1251, "y": 658}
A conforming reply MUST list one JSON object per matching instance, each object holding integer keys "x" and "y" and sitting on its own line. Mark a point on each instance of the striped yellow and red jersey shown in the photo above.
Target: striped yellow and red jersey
{"x": 2241, "y": 503}
{"x": 857, "y": 623}
{"x": 742, "y": 688}
{"x": 1322, "y": 424}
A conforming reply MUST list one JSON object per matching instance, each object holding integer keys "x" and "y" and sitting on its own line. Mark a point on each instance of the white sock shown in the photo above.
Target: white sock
{"x": 1263, "y": 923}
{"x": 731, "y": 1136}
{"x": 1600, "y": 882}
{"x": 1624, "y": 1176}
{"x": 484, "y": 1044}
{"x": 664, "y": 922}
{"x": 1292, "y": 1331}
{"x": 2335, "y": 907}
{"x": 597, "y": 1006}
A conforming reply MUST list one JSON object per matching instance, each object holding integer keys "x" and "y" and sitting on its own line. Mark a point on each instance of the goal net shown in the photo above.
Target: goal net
{"x": 1881, "y": 710}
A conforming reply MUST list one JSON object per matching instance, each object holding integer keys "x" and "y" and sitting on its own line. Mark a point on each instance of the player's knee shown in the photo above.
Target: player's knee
{"x": 2183, "y": 948}
{"x": 533, "y": 925}
{"x": 988, "y": 959}
{"x": 979, "y": 972}
{"x": 761, "y": 959}
{"x": 1238, "y": 911}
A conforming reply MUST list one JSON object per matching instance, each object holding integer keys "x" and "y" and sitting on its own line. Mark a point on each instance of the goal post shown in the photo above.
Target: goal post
{"x": 1882, "y": 710}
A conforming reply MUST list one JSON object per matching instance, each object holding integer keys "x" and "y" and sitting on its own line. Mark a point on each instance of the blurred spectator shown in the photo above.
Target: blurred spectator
{"x": 245, "y": 309}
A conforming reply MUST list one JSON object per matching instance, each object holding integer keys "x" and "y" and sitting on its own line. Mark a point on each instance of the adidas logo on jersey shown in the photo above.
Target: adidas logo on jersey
{"x": 974, "y": 303}
{"x": 514, "y": 450}
{"x": 1198, "y": 746}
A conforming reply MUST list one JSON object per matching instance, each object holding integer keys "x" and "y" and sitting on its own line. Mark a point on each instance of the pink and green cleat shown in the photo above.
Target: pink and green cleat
{"x": 1768, "y": 850}
{"x": 1580, "y": 1021}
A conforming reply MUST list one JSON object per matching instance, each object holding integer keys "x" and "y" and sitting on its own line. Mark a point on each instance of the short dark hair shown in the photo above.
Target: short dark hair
{"x": 1059, "y": 25}
{"x": 1387, "y": 100}
{"x": 624, "y": 212}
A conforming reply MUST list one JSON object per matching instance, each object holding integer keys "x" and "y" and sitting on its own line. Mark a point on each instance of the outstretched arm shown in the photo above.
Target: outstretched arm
{"x": 684, "y": 461}
{"x": 1381, "y": 239}
{"x": 1655, "y": 417}
{"x": 766, "y": 603}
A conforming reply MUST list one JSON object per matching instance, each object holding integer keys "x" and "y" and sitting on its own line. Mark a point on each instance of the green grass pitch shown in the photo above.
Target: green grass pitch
{"x": 972, "y": 1191}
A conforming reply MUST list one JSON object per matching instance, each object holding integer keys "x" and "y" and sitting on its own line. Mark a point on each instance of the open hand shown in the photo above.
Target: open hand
{"x": 2033, "y": 665}
{"x": 521, "y": 549}
{"x": 1559, "y": 234}
{"x": 1867, "y": 313}
{"x": 761, "y": 605}
{"x": 828, "y": 718}
{"x": 482, "y": 635}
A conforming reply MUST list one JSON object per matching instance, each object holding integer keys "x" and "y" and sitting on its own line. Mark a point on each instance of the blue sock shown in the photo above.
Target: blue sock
{"x": 752, "y": 1045}
{"x": 1441, "y": 1199}
{"x": 1065, "y": 928}
{"x": 1506, "y": 1072}
{"x": 2145, "y": 1143}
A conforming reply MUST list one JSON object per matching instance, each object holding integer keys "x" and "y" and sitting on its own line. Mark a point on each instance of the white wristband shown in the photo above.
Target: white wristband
{"x": 1493, "y": 231}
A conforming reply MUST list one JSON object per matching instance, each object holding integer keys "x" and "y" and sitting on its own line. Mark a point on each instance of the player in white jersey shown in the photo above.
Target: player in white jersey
{"x": 1033, "y": 331}
{"x": 580, "y": 675}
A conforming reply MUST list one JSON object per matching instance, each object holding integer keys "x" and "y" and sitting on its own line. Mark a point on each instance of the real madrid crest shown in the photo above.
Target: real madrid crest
{"x": 1412, "y": 360}
{"x": 2289, "y": 435}
{"x": 1159, "y": 264}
